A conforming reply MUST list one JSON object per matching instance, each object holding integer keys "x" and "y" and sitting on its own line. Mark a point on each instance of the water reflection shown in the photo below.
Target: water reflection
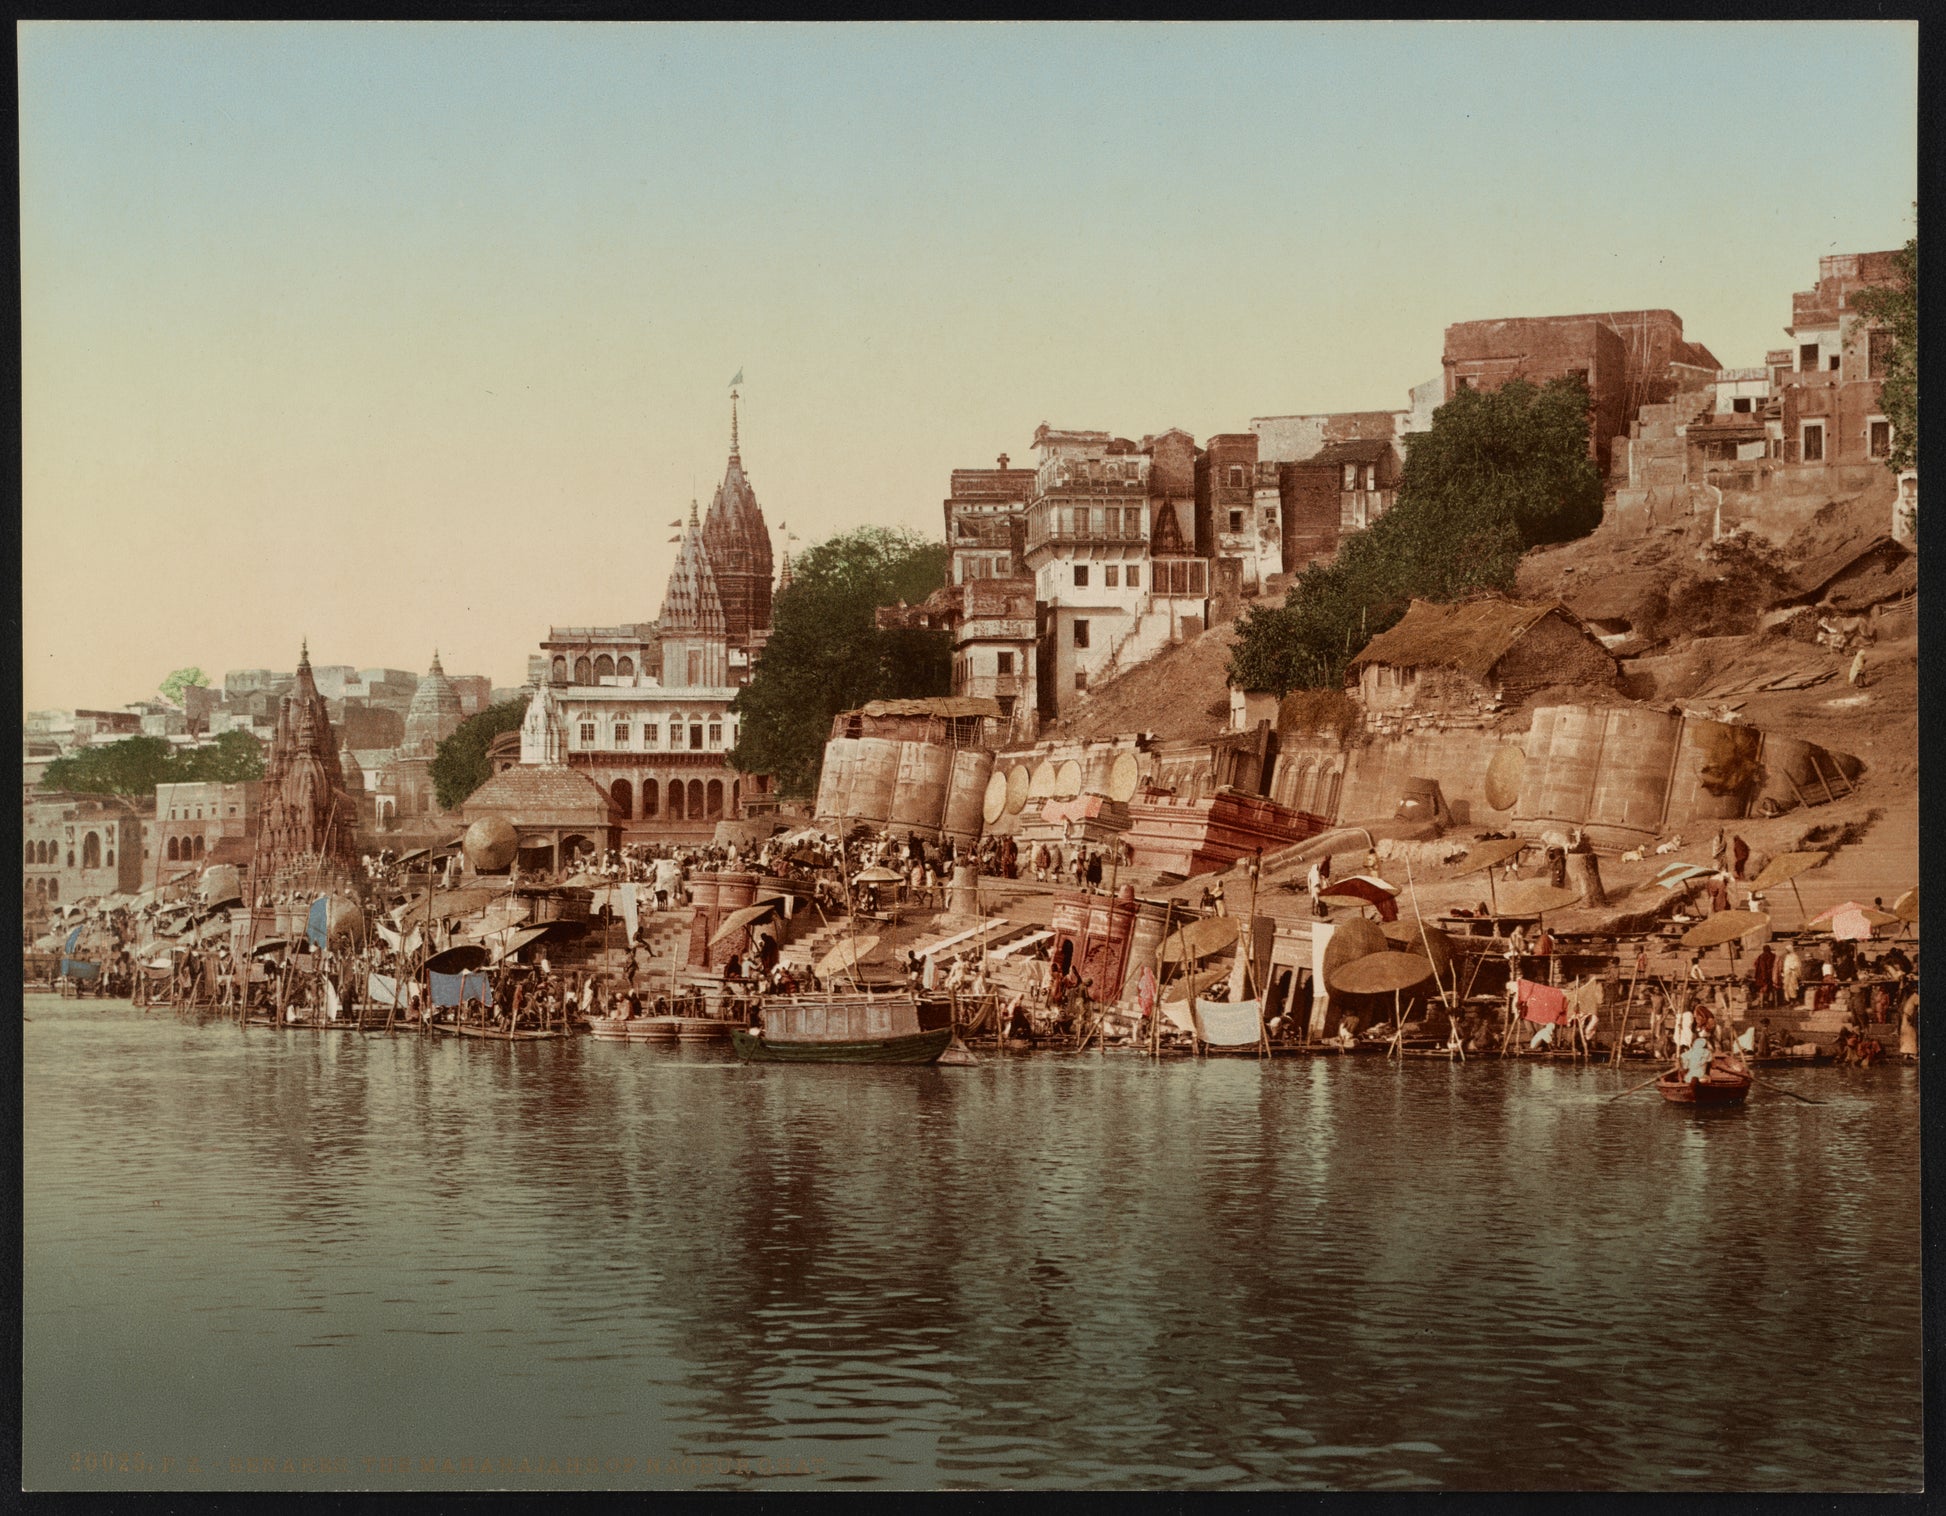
{"x": 1046, "y": 1271}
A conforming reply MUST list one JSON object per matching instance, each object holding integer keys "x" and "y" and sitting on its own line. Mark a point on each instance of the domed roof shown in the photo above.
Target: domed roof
{"x": 434, "y": 714}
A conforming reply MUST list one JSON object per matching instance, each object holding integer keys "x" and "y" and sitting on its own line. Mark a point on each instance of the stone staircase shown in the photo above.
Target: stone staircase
{"x": 1146, "y": 636}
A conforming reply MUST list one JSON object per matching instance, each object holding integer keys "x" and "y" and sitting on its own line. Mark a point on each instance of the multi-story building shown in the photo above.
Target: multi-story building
{"x": 643, "y": 709}
{"x": 1627, "y": 359}
{"x": 986, "y": 522}
{"x": 1243, "y": 526}
{"x": 201, "y": 823}
{"x": 405, "y": 788}
{"x": 1117, "y": 574}
{"x": 1829, "y": 396}
{"x": 995, "y": 649}
{"x": 76, "y": 848}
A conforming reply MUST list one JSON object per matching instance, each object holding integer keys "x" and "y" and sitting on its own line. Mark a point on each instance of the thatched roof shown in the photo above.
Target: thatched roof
{"x": 1612, "y": 597}
{"x": 1884, "y": 569}
{"x": 1470, "y": 636}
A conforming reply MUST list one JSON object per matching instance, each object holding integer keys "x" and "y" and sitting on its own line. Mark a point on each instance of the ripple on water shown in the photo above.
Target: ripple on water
{"x": 1042, "y": 1272}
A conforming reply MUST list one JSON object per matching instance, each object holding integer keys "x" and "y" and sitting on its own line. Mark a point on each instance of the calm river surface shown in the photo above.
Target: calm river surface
{"x": 1045, "y": 1271}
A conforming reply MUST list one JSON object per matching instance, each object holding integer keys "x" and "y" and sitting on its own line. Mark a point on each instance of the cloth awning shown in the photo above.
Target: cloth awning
{"x": 505, "y": 944}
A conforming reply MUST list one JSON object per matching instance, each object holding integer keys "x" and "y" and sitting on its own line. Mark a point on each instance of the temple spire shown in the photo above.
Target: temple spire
{"x": 733, "y": 426}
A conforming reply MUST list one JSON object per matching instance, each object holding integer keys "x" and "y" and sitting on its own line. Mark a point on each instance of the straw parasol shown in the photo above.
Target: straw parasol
{"x": 877, "y": 874}
{"x": 1535, "y": 897}
{"x": 1906, "y": 907}
{"x": 1363, "y": 889}
{"x": 1381, "y": 974}
{"x": 1194, "y": 984}
{"x": 1489, "y": 856}
{"x": 1785, "y": 868}
{"x": 1199, "y": 939}
{"x": 846, "y": 955}
{"x": 1724, "y": 926}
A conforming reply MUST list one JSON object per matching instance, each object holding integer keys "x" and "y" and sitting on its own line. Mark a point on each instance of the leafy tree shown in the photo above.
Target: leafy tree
{"x": 1895, "y": 307}
{"x": 132, "y": 768}
{"x": 232, "y": 758}
{"x": 827, "y": 655}
{"x": 1501, "y": 471}
{"x": 460, "y": 766}
{"x": 127, "y": 769}
{"x": 171, "y": 688}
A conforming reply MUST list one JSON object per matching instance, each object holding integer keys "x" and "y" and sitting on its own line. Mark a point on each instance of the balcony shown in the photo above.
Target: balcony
{"x": 1059, "y": 526}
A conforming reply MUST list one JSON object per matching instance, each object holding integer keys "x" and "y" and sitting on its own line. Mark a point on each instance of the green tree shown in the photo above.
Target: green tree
{"x": 826, "y": 653}
{"x": 1895, "y": 307}
{"x": 128, "y": 769}
{"x": 133, "y": 767}
{"x": 1499, "y": 472}
{"x": 232, "y": 758}
{"x": 171, "y": 688}
{"x": 460, "y": 766}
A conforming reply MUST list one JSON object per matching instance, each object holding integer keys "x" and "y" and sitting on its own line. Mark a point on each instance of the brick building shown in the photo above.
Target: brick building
{"x": 1230, "y": 512}
{"x": 1829, "y": 394}
{"x": 198, "y": 824}
{"x": 1628, "y": 359}
{"x": 986, "y": 522}
{"x": 1344, "y": 488}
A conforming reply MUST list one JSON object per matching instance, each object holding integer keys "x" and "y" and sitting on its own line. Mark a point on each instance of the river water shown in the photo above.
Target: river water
{"x": 459, "y": 1266}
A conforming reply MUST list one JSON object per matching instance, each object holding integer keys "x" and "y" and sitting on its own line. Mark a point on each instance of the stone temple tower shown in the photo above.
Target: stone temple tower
{"x": 737, "y": 542}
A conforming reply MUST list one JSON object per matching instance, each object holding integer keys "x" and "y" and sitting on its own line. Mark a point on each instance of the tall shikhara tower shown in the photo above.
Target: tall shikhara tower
{"x": 737, "y": 543}
{"x": 304, "y": 835}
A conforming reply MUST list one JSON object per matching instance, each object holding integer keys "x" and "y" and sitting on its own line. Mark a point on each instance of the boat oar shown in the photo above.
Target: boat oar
{"x": 1779, "y": 1088}
{"x": 1642, "y": 1086}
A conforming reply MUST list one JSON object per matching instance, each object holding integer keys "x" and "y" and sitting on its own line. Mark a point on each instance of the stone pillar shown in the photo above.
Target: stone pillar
{"x": 963, "y": 892}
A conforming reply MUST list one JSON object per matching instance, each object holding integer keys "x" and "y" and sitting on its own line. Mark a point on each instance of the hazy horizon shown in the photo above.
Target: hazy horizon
{"x": 413, "y": 336}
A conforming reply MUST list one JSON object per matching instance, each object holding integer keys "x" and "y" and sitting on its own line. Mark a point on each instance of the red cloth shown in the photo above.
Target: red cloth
{"x": 1541, "y": 1003}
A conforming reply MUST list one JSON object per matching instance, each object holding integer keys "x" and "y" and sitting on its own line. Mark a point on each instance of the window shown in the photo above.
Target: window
{"x": 1134, "y": 577}
{"x": 1006, "y": 663}
{"x": 625, "y": 668}
{"x": 1741, "y": 405}
{"x": 1006, "y": 704}
{"x": 587, "y": 734}
{"x": 1081, "y": 679}
{"x": 1833, "y": 365}
{"x": 1270, "y": 515}
{"x": 621, "y": 734}
{"x": 1236, "y": 476}
{"x": 1236, "y": 521}
{"x": 583, "y": 670}
{"x": 604, "y": 667}
{"x": 1351, "y": 476}
{"x": 1812, "y": 450}
{"x": 1880, "y": 355}
{"x": 1111, "y": 576}
{"x": 696, "y": 737}
{"x": 716, "y": 734}
{"x": 560, "y": 670}
{"x": 1081, "y": 634}
{"x": 1081, "y": 576}
{"x": 652, "y": 734}
{"x": 1807, "y": 357}
{"x": 1371, "y": 476}
{"x": 1879, "y": 439}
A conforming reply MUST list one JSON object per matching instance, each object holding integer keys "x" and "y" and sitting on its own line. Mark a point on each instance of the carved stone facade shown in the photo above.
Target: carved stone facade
{"x": 304, "y": 837}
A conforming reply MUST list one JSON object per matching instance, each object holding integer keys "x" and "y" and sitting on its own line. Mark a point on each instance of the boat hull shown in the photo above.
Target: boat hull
{"x": 1718, "y": 1089}
{"x": 916, "y": 1047}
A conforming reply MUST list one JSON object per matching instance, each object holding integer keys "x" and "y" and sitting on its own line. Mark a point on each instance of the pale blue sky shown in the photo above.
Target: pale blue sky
{"x": 442, "y": 316}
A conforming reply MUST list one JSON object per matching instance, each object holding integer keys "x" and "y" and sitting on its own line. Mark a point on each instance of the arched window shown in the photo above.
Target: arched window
{"x": 625, "y": 668}
{"x": 53, "y": 889}
{"x": 560, "y": 669}
{"x": 30, "y": 853}
{"x": 620, "y": 799}
{"x": 199, "y": 847}
{"x": 649, "y": 798}
{"x": 583, "y": 670}
{"x": 604, "y": 667}
{"x": 172, "y": 854}
{"x": 715, "y": 801}
{"x": 47, "y": 852}
{"x": 675, "y": 800}
{"x": 91, "y": 851}
{"x": 695, "y": 799}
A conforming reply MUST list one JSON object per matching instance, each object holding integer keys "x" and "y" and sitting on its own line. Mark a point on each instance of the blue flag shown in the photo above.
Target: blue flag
{"x": 67, "y": 948}
{"x": 315, "y": 927}
{"x": 738, "y": 380}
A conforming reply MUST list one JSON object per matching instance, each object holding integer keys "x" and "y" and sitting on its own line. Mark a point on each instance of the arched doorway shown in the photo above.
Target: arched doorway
{"x": 675, "y": 800}
{"x": 604, "y": 667}
{"x": 574, "y": 849}
{"x": 173, "y": 855}
{"x": 695, "y": 800}
{"x": 649, "y": 797}
{"x": 199, "y": 847}
{"x": 621, "y": 798}
{"x": 560, "y": 669}
{"x": 714, "y": 800}
{"x": 583, "y": 670}
{"x": 625, "y": 668}
{"x": 536, "y": 855}
{"x": 91, "y": 851}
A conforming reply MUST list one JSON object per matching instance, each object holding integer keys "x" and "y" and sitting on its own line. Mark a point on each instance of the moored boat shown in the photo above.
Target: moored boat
{"x": 1722, "y": 1087}
{"x": 854, "y": 1028}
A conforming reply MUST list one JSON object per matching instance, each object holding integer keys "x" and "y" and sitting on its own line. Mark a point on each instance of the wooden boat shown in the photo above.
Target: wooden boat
{"x": 1721, "y": 1088}
{"x": 848, "y": 1028}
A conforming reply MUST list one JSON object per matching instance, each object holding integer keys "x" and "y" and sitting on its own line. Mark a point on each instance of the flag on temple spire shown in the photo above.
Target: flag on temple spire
{"x": 738, "y": 380}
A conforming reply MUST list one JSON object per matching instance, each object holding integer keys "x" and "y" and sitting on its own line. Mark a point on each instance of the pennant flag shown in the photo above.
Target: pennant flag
{"x": 67, "y": 948}
{"x": 738, "y": 380}
{"x": 677, "y": 523}
{"x": 314, "y": 927}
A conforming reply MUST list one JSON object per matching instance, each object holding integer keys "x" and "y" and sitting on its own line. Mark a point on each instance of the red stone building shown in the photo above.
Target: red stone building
{"x": 1628, "y": 359}
{"x": 1830, "y": 393}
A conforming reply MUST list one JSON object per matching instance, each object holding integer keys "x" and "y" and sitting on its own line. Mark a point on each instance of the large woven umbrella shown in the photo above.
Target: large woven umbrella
{"x": 1199, "y": 939}
{"x": 1379, "y": 972}
{"x": 1489, "y": 856}
{"x": 1785, "y": 867}
{"x": 1363, "y": 889}
{"x": 1536, "y": 897}
{"x": 1906, "y": 907}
